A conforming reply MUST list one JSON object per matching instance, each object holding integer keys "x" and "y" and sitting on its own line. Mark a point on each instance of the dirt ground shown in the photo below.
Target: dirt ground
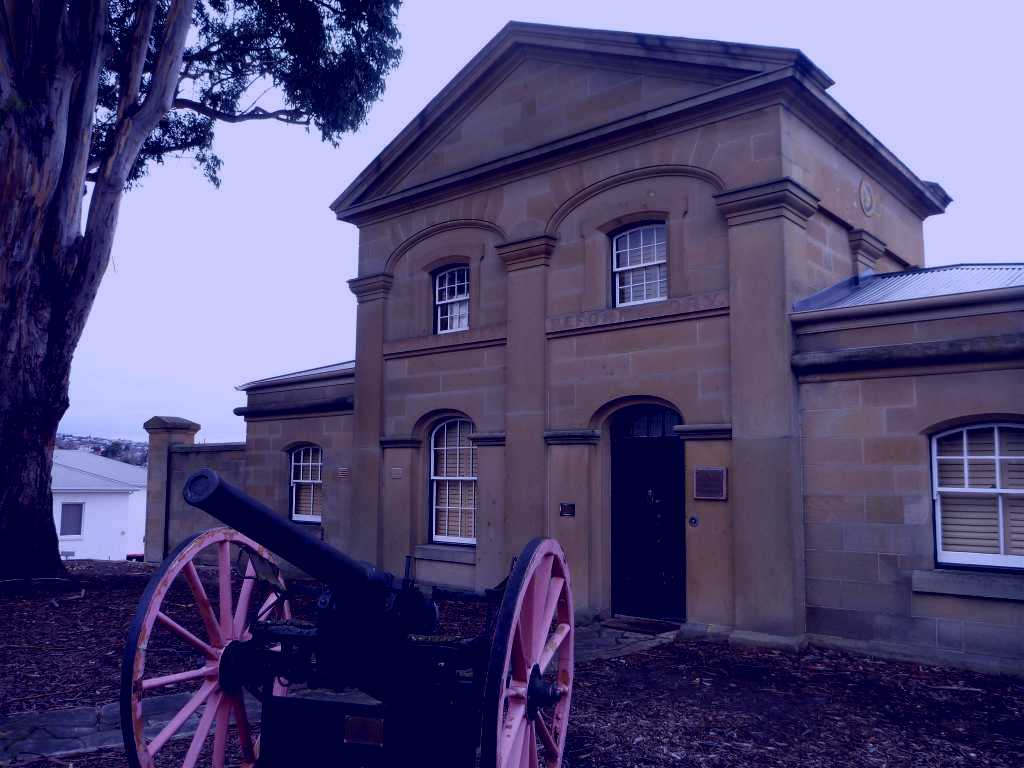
{"x": 686, "y": 704}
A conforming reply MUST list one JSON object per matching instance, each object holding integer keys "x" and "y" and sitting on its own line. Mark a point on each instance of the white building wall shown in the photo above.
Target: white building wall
{"x": 112, "y": 523}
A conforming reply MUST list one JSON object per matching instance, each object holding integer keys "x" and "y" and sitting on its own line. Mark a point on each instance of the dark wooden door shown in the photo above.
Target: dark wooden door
{"x": 648, "y": 516}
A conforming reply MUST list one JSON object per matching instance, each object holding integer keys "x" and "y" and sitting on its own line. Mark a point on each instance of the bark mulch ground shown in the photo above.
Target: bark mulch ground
{"x": 690, "y": 704}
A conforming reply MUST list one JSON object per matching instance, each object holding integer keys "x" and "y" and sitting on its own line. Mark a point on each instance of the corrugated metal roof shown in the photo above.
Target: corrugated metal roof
{"x": 310, "y": 373}
{"x": 915, "y": 284}
{"x": 85, "y": 471}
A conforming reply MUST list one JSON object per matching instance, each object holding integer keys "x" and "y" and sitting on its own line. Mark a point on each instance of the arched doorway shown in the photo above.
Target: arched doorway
{"x": 648, "y": 545}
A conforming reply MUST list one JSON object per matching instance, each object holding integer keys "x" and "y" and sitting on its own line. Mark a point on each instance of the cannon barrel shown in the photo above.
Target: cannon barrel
{"x": 209, "y": 492}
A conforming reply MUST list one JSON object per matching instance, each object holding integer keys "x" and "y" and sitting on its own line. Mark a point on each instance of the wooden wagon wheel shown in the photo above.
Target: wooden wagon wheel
{"x": 529, "y": 675}
{"x": 200, "y": 659}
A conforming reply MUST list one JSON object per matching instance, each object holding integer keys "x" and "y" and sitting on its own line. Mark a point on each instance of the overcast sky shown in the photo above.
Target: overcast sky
{"x": 211, "y": 288}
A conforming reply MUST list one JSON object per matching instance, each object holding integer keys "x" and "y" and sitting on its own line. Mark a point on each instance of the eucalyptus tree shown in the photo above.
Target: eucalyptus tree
{"x": 92, "y": 92}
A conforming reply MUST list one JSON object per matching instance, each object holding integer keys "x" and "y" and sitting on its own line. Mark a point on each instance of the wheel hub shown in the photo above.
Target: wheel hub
{"x": 233, "y": 666}
{"x": 540, "y": 693}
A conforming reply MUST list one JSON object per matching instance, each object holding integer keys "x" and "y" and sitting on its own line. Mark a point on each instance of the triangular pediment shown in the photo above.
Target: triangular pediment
{"x": 535, "y": 85}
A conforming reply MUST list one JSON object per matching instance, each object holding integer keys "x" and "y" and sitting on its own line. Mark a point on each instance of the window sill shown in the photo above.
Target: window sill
{"x": 446, "y": 553}
{"x": 998, "y": 586}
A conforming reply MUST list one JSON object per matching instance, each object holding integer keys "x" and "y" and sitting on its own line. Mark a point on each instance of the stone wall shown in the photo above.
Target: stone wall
{"x": 869, "y": 519}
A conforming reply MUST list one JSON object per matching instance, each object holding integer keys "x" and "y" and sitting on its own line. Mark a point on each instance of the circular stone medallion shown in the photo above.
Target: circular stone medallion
{"x": 867, "y": 197}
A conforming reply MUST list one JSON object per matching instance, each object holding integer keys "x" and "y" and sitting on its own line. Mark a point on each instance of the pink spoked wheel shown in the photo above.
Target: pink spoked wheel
{"x": 529, "y": 676}
{"x": 181, "y": 641}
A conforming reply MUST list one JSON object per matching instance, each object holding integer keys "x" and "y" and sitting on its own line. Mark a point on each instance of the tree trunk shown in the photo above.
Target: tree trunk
{"x": 49, "y": 270}
{"x": 38, "y": 333}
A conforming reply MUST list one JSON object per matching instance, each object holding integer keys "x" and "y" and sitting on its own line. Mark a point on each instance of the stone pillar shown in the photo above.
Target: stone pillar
{"x": 164, "y": 431}
{"x": 766, "y": 229}
{"x": 361, "y": 533}
{"x": 525, "y": 389}
{"x": 492, "y": 561}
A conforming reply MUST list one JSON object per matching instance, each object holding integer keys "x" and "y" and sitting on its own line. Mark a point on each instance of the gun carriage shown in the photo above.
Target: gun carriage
{"x": 369, "y": 682}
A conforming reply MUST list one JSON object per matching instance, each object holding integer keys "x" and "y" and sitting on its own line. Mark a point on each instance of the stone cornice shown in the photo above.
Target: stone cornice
{"x": 371, "y": 287}
{"x": 703, "y": 431}
{"x": 343, "y": 404}
{"x": 400, "y": 441}
{"x": 780, "y": 198}
{"x": 572, "y": 436}
{"x": 866, "y": 248}
{"x": 528, "y": 253}
{"x": 974, "y": 350}
{"x": 487, "y": 438}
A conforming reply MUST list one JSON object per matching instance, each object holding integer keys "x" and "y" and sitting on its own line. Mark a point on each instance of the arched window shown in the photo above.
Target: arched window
{"x": 451, "y": 300}
{"x": 640, "y": 265}
{"x": 306, "y": 485}
{"x": 978, "y": 488}
{"x": 453, "y": 483}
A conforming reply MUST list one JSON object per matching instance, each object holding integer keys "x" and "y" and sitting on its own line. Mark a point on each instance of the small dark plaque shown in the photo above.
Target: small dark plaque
{"x": 709, "y": 483}
{"x": 567, "y": 510}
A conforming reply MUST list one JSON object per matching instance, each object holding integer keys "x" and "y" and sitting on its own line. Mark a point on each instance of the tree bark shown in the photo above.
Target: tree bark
{"x": 51, "y": 55}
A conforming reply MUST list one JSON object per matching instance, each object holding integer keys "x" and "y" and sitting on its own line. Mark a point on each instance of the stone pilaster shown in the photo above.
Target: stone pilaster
{"x": 164, "y": 431}
{"x": 365, "y": 541}
{"x": 766, "y": 227}
{"x": 492, "y": 561}
{"x": 526, "y": 389}
{"x": 866, "y": 249}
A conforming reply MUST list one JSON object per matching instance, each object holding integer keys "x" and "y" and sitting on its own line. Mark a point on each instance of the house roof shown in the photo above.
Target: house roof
{"x": 751, "y": 67}
{"x": 346, "y": 368}
{"x": 892, "y": 287}
{"x": 85, "y": 471}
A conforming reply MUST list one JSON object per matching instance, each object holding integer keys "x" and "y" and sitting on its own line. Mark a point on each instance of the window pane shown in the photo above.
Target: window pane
{"x": 970, "y": 523}
{"x": 1013, "y": 509}
{"x": 981, "y": 474}
{"x": 951, "y": 445}
{"x": 70, "y": 519}
{"x": 1011, "y": 474}
{"x": 981, "y": 442}
{"x": 1011, "y": 441}
{"x": 951, "y": 473}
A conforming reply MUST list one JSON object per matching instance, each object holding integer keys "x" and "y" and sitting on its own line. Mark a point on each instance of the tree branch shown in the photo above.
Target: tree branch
{"x": 81, "y": 108}
{"x": 291, "y": 116}
{"x": 131, "y": 78}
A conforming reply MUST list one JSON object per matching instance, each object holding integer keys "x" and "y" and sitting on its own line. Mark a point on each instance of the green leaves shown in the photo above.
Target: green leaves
{"x": 308, "y": 62}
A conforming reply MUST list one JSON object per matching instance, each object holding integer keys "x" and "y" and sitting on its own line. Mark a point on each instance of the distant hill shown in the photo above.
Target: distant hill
{"x": 128, "y": 451}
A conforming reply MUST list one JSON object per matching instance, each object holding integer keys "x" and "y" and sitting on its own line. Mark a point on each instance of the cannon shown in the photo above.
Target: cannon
{"x": 218, "y": 670}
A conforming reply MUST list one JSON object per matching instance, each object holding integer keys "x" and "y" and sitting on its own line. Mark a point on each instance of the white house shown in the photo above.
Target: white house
{"x": 99, "y": 506}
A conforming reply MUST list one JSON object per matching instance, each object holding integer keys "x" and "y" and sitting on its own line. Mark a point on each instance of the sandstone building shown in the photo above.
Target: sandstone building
{"x": 664, "y": 300}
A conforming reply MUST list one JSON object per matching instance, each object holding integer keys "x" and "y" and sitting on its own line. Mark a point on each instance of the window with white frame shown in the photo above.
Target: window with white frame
{"x": 453, "y": 483}
{"x": 978, "y": 488}
{"x": 640, "y": 265}
{"x": 72, "y": 517}
{"x": 451, "y": 299}
{"x": 307, "y": 498}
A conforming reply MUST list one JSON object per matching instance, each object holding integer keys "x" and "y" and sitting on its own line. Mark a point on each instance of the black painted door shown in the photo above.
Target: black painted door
{"x": 648, "y": 516}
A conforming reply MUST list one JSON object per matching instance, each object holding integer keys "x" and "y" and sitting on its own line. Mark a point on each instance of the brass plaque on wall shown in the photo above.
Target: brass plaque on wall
{"x": 709, "y": 483}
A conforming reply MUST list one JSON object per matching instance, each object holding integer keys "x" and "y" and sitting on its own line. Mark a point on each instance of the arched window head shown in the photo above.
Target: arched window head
{"x": 453, "y": 483}
{"x": 451, "y": 299}
{"x": 978, "y": 490}
{"x": 640, "y": 265}
{"x": 306, "y": 484}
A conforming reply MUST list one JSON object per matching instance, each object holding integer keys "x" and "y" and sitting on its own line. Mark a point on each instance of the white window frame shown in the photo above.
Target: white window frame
{"x": 974, "y": 558}
{"x": 60, "y": 520}
{"x": 299, "y": 452}
{"x": 452, "y": 304}
{"x": 619, "y": 271}
{"x": 435, "y": 479}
